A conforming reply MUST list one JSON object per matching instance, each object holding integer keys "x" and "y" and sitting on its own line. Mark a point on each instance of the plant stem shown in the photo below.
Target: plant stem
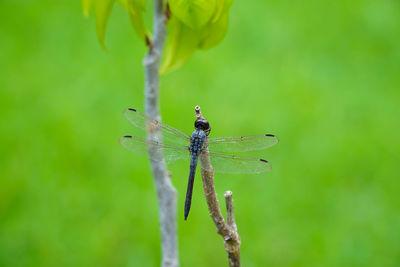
{"x": 166, "y": 192}
{"x": 228, "y": 231}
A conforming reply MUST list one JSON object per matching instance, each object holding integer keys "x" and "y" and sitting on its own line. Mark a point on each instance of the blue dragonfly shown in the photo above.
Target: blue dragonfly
{"x": 177, "y": 145}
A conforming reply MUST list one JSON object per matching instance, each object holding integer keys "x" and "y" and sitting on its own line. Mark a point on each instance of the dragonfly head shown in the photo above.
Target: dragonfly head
{"x": 202, "y": 124}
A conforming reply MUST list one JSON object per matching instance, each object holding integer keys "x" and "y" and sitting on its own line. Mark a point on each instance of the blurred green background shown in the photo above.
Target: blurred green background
{"x": 324, "y": 76}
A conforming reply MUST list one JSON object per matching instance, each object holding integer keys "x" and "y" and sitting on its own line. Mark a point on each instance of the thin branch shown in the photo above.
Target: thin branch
{"x": 228, "y": 231}
{"x": 234, "y": 253}
{"x": 230, "y": 216}
{"x": 166, "y": 192}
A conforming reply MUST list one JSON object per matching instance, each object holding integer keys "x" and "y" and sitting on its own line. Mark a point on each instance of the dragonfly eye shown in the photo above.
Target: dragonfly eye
{"x": 202, "y": 124}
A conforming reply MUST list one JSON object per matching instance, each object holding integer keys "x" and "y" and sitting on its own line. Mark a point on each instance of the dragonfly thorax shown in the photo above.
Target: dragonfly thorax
{"x": 197, "y": 141}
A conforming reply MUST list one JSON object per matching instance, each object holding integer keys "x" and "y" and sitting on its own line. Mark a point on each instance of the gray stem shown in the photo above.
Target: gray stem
{"x": 228, "y": 231}
{"x": 166, "y": 192}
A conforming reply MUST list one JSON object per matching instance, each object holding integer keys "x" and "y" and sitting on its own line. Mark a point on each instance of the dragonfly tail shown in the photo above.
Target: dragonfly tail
{"x": 189, "y": 191}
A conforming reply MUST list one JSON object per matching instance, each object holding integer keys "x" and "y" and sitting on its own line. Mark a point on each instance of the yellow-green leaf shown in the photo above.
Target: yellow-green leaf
{"x": 86, "y": 7}
{"x": 222, "y": 7}
{"x": 136, "y": 8}
{"x": 182, "y": 42}
{"x": 193, "y": 13}
{"x": 214, "y": 33}
{"x": 138, "y": 24}
{"x": 102, "y": 10}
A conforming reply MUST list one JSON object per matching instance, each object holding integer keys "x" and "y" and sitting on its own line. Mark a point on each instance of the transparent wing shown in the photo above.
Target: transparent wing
{"x": 241, "y": 143}
{"x": 140, "y": 146}
{"x": 144, "y": 124}
{"x": 225, "y": 163}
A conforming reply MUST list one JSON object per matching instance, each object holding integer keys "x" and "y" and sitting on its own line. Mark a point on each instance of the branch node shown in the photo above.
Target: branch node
{"x": 148, "y": 42}
{"x": 152, "y": 57}
{"x": 167, "y": 12}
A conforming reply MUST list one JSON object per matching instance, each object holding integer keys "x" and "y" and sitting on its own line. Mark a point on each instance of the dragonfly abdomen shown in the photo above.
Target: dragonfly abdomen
{"x": 189, "y": 191}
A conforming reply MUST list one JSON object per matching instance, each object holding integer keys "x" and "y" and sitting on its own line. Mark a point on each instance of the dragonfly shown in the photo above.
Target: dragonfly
{"x": 177, "y": 145}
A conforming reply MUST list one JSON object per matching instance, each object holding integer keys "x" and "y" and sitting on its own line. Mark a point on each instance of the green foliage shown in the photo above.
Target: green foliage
{"x": 213, "y": 35}
{"x": 181, "y": 43}
{"x": 199, "y": 24}
{"x": 136, "y": 9}
{"x": 102, "y": 10}
{"x": 193, "y": 13}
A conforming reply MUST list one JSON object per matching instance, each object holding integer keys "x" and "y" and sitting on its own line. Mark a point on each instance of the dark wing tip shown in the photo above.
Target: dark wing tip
{"x": 274, "y": 136}
{"x": 266, "y": 162}
{"x": 127, "y": 136}
{"x": 132, "y": 109}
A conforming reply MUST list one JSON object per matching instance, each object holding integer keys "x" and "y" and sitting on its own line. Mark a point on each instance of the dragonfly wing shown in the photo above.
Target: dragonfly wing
{"x": 145, "y": 124}
{"x": 241, "y": 143}
{"x": 140, "y": 146}
{"x": 225, "y": 163}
